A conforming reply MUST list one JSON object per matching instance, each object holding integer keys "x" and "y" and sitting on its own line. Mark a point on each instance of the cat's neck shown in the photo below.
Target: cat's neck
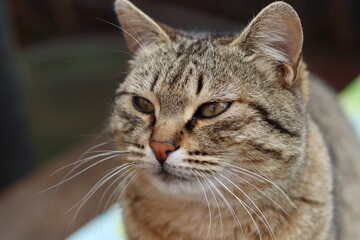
{"x": 151, "y": 214}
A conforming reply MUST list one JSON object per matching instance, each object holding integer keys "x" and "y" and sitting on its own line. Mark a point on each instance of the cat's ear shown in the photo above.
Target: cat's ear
{"x": 276, "y": 33}
{"x": 139, "y": 29}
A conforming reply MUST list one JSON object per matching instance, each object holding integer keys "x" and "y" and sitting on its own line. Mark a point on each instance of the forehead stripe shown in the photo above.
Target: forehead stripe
{"x": 156, "y": 78}
{"x": 200, "y": 84}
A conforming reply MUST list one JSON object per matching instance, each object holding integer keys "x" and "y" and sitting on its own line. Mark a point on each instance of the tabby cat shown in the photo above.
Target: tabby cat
{"x": 228, "y": 139}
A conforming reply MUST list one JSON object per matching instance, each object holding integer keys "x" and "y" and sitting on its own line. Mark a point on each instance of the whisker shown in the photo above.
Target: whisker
{"x": 80, "y": 158}
{"x": 82, "y": 155}
{"x": 262, "y": 218}
{"x": 142, "y": 44}
{"x": 102, "y": 181}
{"x": 113, "y": 182}
{"x": 117, "y": 74}
{"x": 218, "y": 206}
{"x": 94, "y": 147}
{"x": 118, "y": 187}
{"x": 136, "y": 40}
{"x": 98, "y": 185}
{"x": 133, "y": 144}
{"x": 134, "y": 176}
{"x": 78, "y": 173}
{"x": 208, "y": 205}
{"x": 257, "y": 176}
{"x": 225, "y": 201}
{"x": 242, "y": 204}
{"x": 126, "y": 52}
{"x": 80, "y": 161}
{"x": 122, "y": 29}
{"x": 108, "y": 151}
{"x": 262, "y": 192}
{"x": 107, "y": 189}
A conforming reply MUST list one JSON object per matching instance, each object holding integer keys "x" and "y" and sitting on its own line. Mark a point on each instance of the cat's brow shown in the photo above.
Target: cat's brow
{"x": 223, "y": 98}
{"x": 121, "y": 93}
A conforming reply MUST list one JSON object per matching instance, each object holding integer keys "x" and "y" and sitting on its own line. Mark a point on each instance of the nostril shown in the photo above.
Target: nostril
{"x": 161, "y": 150}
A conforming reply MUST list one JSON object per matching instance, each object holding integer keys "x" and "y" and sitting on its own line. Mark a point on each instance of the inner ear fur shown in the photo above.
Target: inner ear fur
{"x": 276, "y": 33}
{"x": 139, "y": 29}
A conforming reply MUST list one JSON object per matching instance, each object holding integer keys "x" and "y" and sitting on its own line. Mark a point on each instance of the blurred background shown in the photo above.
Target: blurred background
{"x": 60, "y": 62}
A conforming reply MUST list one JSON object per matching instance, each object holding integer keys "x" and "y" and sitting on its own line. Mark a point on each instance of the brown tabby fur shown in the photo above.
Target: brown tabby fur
{"x": 259, "y": 170}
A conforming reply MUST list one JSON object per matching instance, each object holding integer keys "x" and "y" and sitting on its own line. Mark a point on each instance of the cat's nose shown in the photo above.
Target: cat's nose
{"x": 162, "y": 150}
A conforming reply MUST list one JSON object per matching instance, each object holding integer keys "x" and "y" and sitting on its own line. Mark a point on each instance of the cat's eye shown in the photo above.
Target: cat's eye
{"x": 143, "y": 105}
{"x": 213, "y": 109}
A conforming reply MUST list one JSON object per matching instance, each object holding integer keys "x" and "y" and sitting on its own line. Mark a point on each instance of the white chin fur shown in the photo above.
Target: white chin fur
{"x": 177, "y": 186}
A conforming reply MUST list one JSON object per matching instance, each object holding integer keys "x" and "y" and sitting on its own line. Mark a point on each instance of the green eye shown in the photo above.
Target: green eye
{"x": 143, "y": 105}
{"x": 213, "y": 109}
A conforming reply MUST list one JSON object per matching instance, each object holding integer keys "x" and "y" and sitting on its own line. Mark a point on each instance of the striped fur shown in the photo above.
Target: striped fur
{"x": 259, "y": 170}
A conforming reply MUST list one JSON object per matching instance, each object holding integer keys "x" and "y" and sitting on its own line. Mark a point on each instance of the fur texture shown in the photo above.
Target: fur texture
{"x": 259, "y": 170}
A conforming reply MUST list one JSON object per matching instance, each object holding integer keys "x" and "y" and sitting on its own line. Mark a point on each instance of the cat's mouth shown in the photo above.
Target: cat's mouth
{"x": 168, "y": 177}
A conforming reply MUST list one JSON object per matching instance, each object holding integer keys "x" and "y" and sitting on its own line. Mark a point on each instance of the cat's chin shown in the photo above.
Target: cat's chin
{"x": 170, "y": 178}
{"x": 169, "y": 183}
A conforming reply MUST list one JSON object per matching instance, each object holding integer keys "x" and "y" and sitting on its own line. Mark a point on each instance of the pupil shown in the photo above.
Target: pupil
{"x": 145, "y": 104}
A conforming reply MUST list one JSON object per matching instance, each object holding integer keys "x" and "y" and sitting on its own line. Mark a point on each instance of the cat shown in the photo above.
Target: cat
{"x": 228, "y": 136}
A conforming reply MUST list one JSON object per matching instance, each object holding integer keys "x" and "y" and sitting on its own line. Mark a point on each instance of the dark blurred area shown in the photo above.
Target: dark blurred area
{"x": 60, "y": 62}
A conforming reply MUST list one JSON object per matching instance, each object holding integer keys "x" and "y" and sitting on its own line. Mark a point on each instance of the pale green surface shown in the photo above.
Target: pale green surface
{"x": 350, "y": 102}
{"x": 108, "y": 226}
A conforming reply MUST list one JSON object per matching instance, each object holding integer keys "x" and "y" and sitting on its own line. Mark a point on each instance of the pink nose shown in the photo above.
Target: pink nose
{"x": 161, "y": 150}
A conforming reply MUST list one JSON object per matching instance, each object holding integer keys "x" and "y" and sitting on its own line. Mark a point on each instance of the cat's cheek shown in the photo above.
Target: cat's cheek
{"x": 149, "y": 159}
{"x": 176, "y": 159}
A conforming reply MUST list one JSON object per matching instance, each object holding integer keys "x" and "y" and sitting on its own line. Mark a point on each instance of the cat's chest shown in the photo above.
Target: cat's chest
{"x": 191, "y": 221}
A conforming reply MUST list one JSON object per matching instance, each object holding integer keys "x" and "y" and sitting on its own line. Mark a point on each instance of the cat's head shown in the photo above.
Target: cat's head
{"x": 199, "y": 109}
